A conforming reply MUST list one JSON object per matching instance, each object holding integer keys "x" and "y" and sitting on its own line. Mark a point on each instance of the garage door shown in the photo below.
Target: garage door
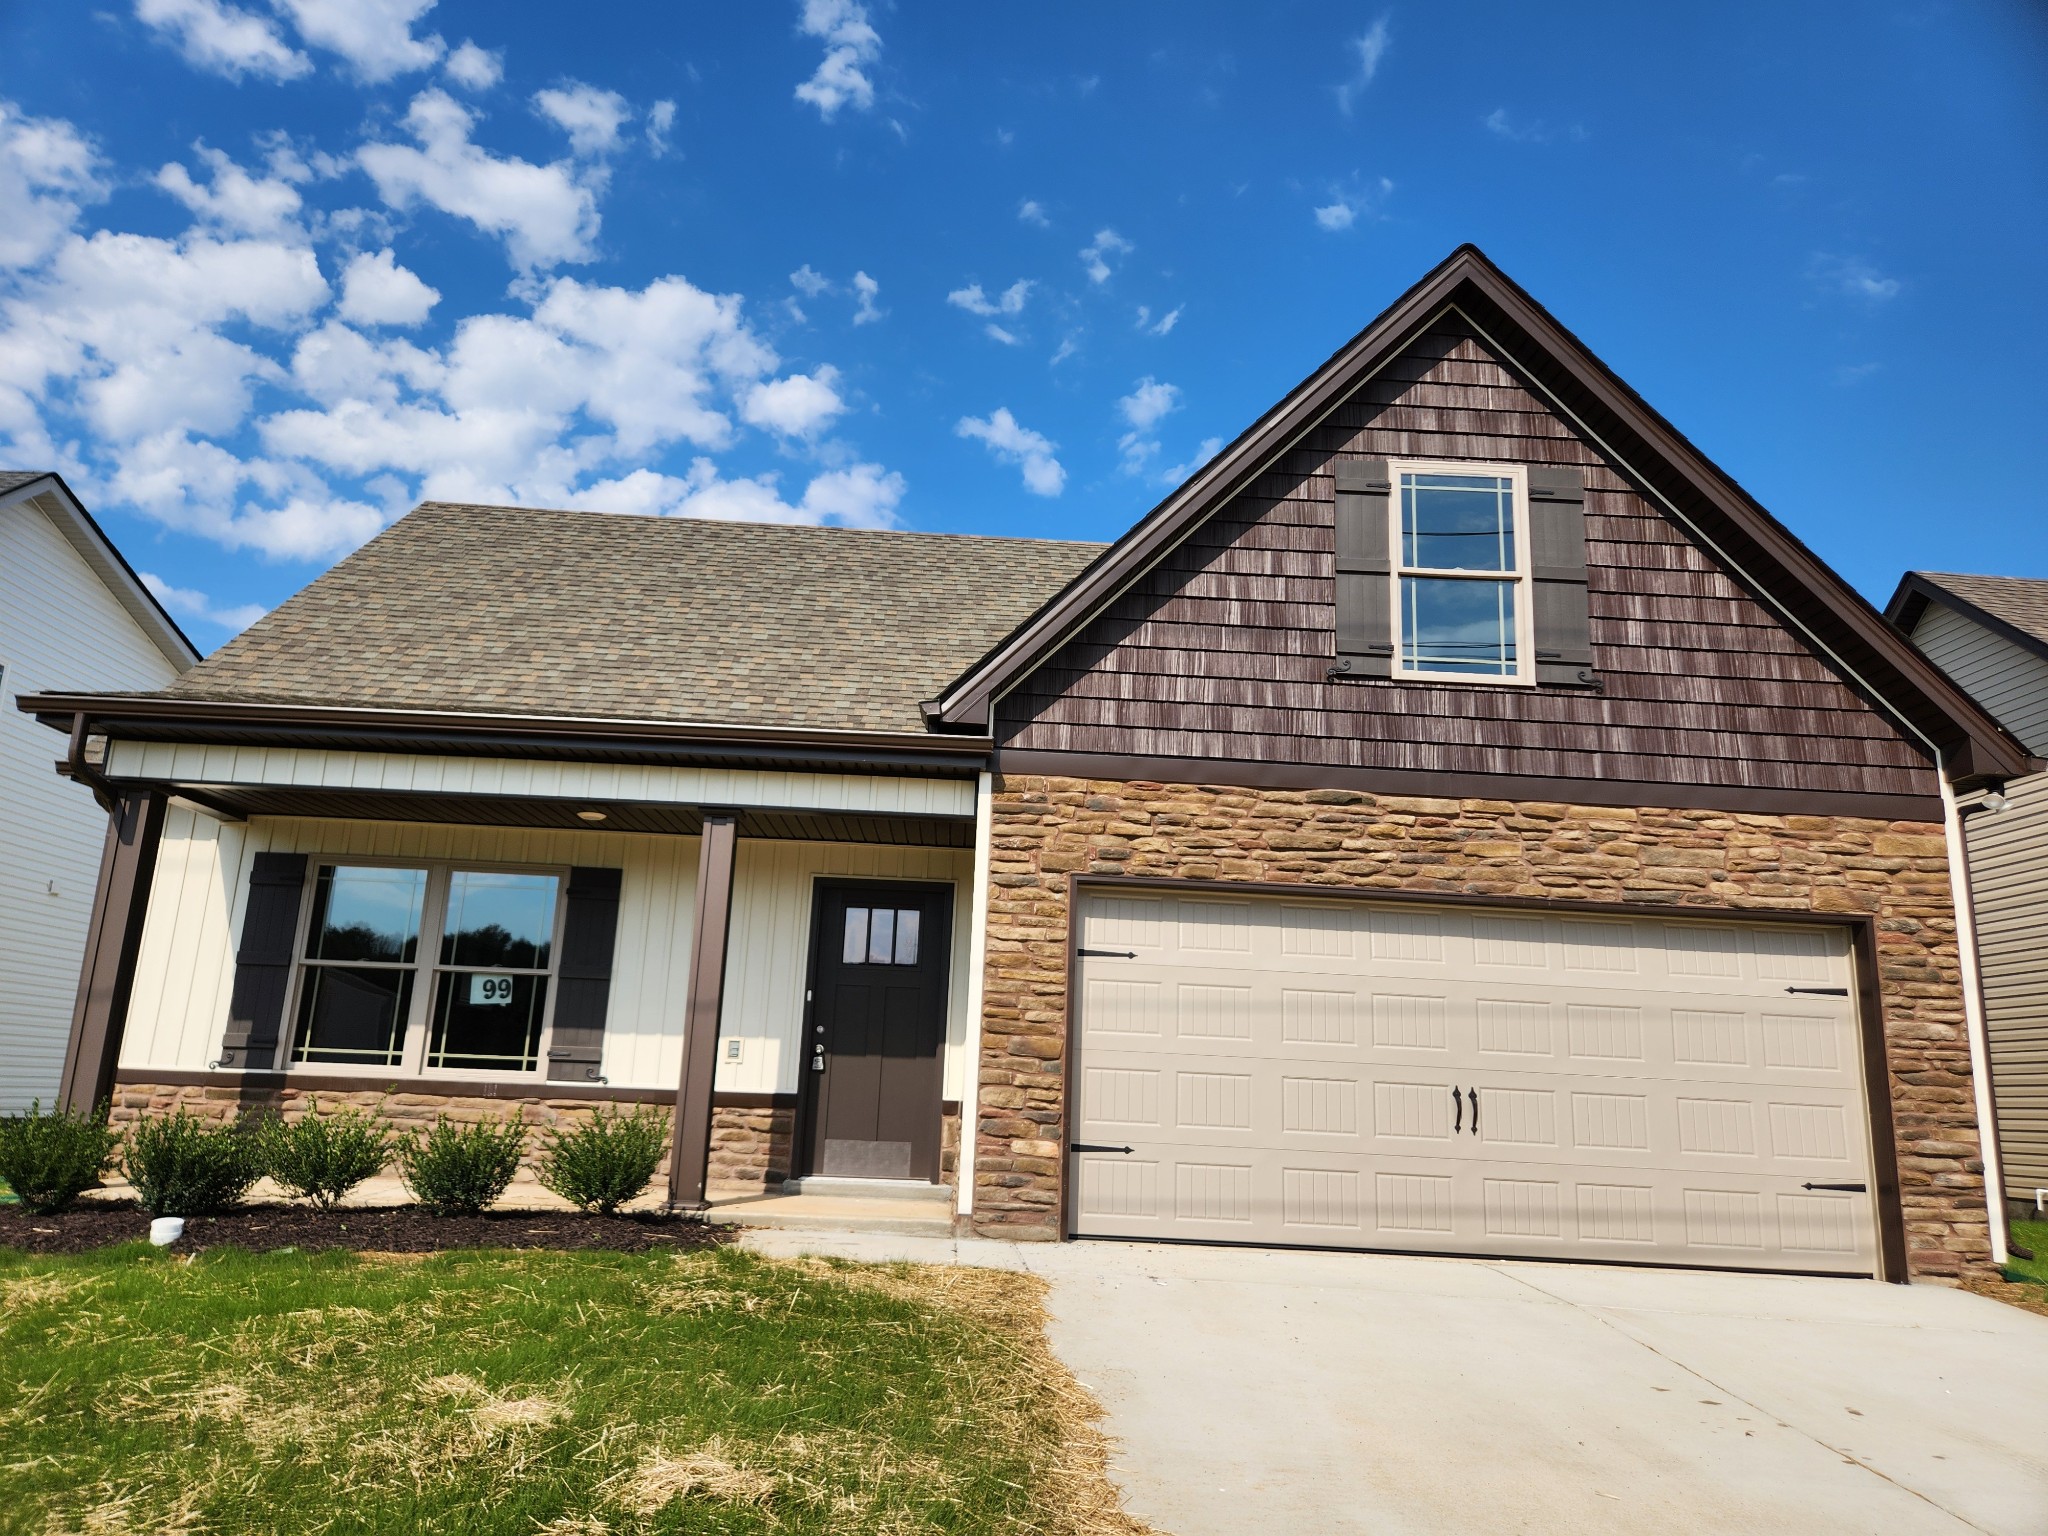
{"x": 1452, "y": 1080}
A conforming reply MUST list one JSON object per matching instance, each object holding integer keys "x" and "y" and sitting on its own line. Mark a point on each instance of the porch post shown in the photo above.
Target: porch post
{"x": 690, "y": 1155}
{"x": 100, "y": 1016}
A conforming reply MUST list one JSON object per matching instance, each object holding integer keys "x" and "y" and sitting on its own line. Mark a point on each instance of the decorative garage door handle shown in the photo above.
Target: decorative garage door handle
{"x": 1089, "y": 1146}
{"x": 1846, "y": 1189}
{"x": 1473, "y": 1094}
{"x": 1109, "y": 954}
{"x": 1458, "y": 1111}
{"x": 1818, "y": 991}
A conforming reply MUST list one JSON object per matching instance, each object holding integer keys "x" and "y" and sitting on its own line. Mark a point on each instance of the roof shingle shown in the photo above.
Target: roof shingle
{"x": 2022, "y": 601}
{"x": 520, "y": 611}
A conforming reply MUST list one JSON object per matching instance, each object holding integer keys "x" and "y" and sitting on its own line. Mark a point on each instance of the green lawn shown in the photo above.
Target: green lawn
{"x": 534, "y": 1392}
{"x": 2034, "y": 1235}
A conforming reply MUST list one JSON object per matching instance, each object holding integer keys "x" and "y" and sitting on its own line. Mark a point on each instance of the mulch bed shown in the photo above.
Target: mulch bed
{"x": 394, "y": 1229}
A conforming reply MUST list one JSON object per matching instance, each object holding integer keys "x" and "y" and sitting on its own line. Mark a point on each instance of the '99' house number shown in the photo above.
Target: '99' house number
{"x": 490, "y": 991}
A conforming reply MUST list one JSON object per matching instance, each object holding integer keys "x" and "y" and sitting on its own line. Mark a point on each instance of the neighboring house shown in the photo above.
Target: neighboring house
{"x": 74, "y": 616}
{"x": 1990, "y": 633}
{"x": 1458, "y": 819}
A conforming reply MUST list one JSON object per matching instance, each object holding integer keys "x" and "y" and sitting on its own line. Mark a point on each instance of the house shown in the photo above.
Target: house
{"x": 1458, "y": 819}
{"x": 72, "y": 614}
{"x": 1990, "y": 634}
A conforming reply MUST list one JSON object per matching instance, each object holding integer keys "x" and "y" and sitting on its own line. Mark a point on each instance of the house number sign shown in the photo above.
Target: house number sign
{"x": 489, "y": 990}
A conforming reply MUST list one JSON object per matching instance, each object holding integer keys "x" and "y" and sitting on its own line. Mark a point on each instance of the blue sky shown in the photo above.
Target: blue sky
{"x": 273, "y": 270}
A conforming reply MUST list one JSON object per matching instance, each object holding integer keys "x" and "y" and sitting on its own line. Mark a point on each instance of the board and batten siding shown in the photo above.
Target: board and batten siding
{"x": 407, "y": 773}
{"x": 2008, "y": 856}
{"x": 60, "y": 629}
{"x": 185, "y": 971}
{"x": 1221, "y": 651}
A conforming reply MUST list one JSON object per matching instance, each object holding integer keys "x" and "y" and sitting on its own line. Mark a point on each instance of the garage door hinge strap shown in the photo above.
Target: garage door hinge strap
{"x": 1845, "y": 1189}
{"x": 1109, "y": 954}
{"x": 1089, "y": 1146}
{"x": 1819, "y": 991}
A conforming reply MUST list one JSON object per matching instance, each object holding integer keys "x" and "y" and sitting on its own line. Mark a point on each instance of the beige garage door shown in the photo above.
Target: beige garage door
{"x": 1452, "y": 1080}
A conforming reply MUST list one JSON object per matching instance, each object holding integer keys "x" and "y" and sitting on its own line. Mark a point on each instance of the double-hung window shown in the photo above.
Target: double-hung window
{"x": 1460, "y": 572}
{"x": 427, "y": 968}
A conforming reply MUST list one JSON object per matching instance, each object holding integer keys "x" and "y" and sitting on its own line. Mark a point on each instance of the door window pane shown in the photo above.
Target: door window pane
{"x": 1462, "y": 626}
{"x": 881, "y": 936}
{"x": 855, "y": 949}
{"x": 364, "y": 913}
{"x": 1458, "y": 522}
{"x": 497, "y": 919}
{"x": 487, "y": 1021}
{"x": 353, "y": 1014}
{"x": 907, "y": 919}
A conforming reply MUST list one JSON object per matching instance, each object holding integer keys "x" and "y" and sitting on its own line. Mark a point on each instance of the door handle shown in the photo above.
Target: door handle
{"x": 1090, "y": 1146}
{"x": 1458, "y": 1111}
{"x": 1473, "y": 1093}
{"x": 1846, "y": 1189}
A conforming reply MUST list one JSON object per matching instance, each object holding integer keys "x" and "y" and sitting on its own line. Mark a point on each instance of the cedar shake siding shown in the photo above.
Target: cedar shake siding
{"x": 1221, "y": 653}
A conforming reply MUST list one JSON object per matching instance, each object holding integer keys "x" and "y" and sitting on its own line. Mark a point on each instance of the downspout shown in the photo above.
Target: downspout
{"x": 1973, "y": 1012}
{"x": 977, "y": 966}
{"x": 76, "y": 766}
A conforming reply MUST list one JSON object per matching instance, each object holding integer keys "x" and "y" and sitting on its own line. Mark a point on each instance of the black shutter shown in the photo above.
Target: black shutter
{"x": 1557, "y": 541}
{"x": 1365, "y": 615}
{"x": 263, "y": 965}
{"x": 583, "y": 980}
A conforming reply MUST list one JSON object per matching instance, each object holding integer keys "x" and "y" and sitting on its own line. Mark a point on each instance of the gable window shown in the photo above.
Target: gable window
{"x": 1460, "y": 573}
{"x": 427, "y": 968}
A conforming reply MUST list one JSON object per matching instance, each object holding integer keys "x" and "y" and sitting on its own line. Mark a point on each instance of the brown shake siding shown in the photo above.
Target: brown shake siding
{"x": 1711, "y": 863}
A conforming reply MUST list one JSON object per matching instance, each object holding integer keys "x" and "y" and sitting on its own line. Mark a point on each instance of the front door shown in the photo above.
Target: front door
{"x": 877, "y": 1023}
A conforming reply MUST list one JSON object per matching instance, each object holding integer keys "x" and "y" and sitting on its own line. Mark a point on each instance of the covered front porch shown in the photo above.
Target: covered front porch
{"x": 786, "y": 957}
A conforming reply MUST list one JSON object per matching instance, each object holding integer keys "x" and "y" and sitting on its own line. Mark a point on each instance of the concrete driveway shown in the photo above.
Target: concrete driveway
{"x": 1270, "y": 1391}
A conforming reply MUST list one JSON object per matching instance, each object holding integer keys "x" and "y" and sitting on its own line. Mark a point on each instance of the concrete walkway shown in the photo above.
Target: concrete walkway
{"x": 1270, "y": 1391}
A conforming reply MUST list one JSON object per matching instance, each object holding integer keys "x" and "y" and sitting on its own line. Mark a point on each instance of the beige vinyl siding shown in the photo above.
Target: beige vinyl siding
{"x": 2008, "y": 680}
{"x": 409, "y": 774}
{"x": 60, "y": 628}
{"x": 2009, "y": 881}
{"x": 185, "y": 972}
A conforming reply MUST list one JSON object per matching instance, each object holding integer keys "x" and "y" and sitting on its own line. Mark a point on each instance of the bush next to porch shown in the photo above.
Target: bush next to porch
{"x": 181, "y": 1166}
{"x": 606, "y": 1161}
{"x": 49, "y": 1160}
{"x": 458, "y": 1170}
{"x": 322, "y": 1157}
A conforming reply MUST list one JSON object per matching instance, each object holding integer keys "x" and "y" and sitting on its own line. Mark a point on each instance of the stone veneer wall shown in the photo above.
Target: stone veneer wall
{"x": 1047, "y": 829}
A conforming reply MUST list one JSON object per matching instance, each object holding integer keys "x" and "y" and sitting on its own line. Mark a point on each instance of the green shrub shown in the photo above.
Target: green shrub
{"x": 321, "y": 1158}
{"x": 458, "y": 1170}
{"x": 181, "y": 1166}
{"x": 48, "y": 1160}
{"x": 606, "y": 1161}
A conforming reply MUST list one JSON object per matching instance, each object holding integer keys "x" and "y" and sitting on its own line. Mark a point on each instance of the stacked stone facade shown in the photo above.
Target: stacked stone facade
{"x": 1049, "y": 830}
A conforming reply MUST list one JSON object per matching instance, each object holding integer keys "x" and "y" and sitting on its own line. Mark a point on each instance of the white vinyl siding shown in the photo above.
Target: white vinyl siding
{"x": 185, "y": 972}
{"x": 364, "y": 772}
{"x": 2008, "y": 680}
{"x": 60, "y": 628}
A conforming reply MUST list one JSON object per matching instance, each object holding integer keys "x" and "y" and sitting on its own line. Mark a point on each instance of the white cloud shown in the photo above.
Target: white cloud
{"x": 1014, "y": 443}
{"x": 1009, "y": 302}
{"x": 1095, "y": 255}
{"x": 995, "y": 332}
{"x": 1370, "y": 48}
{"x": 1347, "y": 205}
{"x": 865, "y": 289}
{"x": 375, "y": 290}
{"x": 1203, "y": 454}
{"x": 1532, "y": 131}
{"x": 590, "y": 116}
{"x": 1149, "y": 403}
{"x": 233, "y": 199}
{"x": 545, "y": 214}
{"x": 187, "y": 603}
{"x": 374, "y": 37}
{"x": 1068, "y": 346}
{"x": 1163, "y": 325}
{"x": 851, "y": 46}
{"x": 661, "y": 119}
{"x": 809, "y": 283}
{"x": 474, "y": 68}
{"x": 1851, "y": 277}
{"x": 1030, "y": 211}
{"x": 1337, "y": 215}
{"x": 48, "y": 170}
{"x": 796, "y": 406}
{"x": 224, "y": 39}
{"x": 197, "y": 487}
{"x": 862, "y": 496}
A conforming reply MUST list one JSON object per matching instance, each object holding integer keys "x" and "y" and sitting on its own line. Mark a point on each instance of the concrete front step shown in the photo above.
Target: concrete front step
{"x": 845, "y": 1213}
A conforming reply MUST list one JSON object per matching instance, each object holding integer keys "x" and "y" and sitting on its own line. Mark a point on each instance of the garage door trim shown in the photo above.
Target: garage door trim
{"x": 1860, "y": 928}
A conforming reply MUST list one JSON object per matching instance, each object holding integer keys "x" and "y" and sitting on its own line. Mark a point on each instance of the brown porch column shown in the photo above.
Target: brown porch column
{"x": 691, "y": 1153}
{"x": 100, "y": 1016}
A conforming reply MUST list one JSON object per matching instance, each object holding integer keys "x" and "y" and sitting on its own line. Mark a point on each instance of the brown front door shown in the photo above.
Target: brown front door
{"x": 877, "y": 1023}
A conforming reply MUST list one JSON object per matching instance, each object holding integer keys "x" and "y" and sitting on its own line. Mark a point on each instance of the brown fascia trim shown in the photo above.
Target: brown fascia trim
{"x": 357, "y": 729}
{"x": 510, "y": 1092}
{"x": 1977, "y": 746}
{"x": 1634, "y": 794}
{"x": 1917, "y": 590}
{"x": 1862, "y": 929}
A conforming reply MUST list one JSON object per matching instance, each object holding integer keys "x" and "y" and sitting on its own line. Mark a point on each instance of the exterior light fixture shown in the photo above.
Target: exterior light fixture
{"x": 590, "y": 815}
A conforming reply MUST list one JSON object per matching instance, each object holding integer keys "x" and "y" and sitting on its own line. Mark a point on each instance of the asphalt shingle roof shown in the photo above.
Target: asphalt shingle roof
{"x": 522, "y": 611}
{"x": 2022, "y": 601}
{"x": 13, "y": 479}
